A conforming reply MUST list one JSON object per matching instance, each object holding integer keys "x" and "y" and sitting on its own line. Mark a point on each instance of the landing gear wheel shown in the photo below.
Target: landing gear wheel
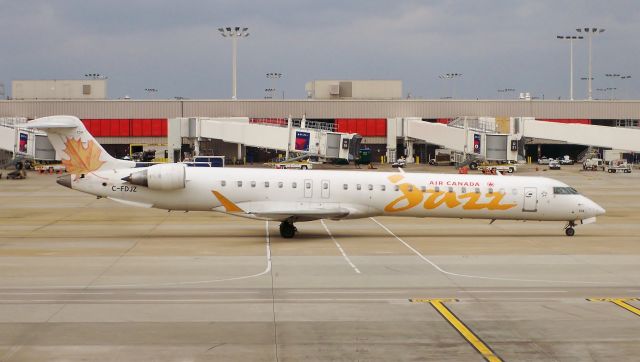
{"x": 570, "y": 231}
{"x": 287, "y": 230}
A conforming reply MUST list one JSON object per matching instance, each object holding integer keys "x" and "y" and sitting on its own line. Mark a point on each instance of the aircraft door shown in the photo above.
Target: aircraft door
{"x": 530, "y": 199}
{"x": 308, "y": 188}
{"x": 325, "y": 189}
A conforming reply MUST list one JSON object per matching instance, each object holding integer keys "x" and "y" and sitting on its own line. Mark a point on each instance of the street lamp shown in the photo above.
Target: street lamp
{"x": 234, "y": 33}
{"x": 150, "y": 91}
{"x": 570, "y": 38}
{"x": 451, "y": 77}
{"x": 274, "y": 78}
{"x": 590, "y": 33}
{"x": 505, "y": 90}
{"x": 269, "y": 92}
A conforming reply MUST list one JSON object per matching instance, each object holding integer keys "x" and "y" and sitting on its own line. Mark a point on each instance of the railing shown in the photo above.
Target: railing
{"x": 588, "y": 152}
{"x": 474, "y": 124}
{"x": 12, "y": 121}
{"x": 277, "y": 122}
{"x": 323, "y": 126}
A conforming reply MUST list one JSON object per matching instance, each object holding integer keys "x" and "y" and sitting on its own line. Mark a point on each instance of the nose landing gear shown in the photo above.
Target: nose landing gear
{"x": 287, "y": 230}
{"x": 569, "y": 230}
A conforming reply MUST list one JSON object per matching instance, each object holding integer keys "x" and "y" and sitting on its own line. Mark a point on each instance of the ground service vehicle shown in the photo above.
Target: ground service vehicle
{"x": 618, "y": 166}
{"x": 593, "y": 164}
{"x": 554, "y": 165}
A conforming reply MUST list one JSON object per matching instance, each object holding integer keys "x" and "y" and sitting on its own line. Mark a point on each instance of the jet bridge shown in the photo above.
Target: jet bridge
{"x": 21, "y": 142}
{"x": 477, "y": 136}
{"x": 620, "y": 138}
{"x": 315, "y": 139}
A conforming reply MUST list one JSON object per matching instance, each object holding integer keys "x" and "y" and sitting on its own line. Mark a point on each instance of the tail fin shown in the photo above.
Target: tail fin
{"x": 80, "y": 152}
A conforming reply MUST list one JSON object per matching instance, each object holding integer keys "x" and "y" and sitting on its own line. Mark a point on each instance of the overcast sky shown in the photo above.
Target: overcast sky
{"x": 174, "y": 46}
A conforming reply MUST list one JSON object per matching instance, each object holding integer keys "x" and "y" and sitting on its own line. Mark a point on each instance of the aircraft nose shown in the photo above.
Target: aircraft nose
{"x": 598, "y": 209}
{"x": 64, "y": 180}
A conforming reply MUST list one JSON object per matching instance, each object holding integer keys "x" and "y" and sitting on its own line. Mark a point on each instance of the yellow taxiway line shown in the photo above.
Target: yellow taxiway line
{"x": 460, "y": 327}
{"x": 620, "y": 302}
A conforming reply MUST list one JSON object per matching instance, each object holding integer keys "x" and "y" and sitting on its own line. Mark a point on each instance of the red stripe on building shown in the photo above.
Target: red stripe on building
{"x": 368, "y": 127}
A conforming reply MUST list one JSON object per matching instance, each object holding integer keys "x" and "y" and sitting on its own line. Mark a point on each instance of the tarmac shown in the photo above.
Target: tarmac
{"x": 93, "y": 280}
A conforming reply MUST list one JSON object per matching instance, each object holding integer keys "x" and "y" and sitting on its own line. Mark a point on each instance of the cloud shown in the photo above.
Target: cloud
{"x": 175, "y": 46}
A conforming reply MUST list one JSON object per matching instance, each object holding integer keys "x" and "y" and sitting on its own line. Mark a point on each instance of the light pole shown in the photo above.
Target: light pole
{"x": 274, "y": 78}
{"x": 612, "y": 77}
{"x": 451, "y": 77}
{"x": 150, "y": 91}
{"x": 570, "y": 38}
{"x": 269, "y": 92}
{"x": 505, "y": 90}
{"x": 590, "y": 33}
{"x": 623, "y": 87}
{"x": 234, "y": 34}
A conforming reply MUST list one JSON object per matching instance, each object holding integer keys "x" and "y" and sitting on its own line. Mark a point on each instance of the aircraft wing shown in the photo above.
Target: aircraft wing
{"x": 281, "y": 211}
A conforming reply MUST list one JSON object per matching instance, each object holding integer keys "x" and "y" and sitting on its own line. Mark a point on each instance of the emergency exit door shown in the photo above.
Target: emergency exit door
{"x": 325, "y": 189}
{"x": 308, "y": 188}
{"x": 530, "y": 199}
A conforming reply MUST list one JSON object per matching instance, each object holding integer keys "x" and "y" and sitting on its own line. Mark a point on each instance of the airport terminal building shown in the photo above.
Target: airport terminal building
{"x": 364, "y": 107}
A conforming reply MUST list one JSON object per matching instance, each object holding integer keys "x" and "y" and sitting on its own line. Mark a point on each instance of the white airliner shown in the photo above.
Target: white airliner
{"x": 290, "y": 196}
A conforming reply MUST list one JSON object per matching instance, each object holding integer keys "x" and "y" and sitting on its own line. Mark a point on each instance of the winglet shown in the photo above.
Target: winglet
{"x": 228, "y": 204}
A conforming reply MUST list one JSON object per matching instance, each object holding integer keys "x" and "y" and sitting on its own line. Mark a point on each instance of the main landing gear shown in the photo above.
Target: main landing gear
{"x": 569, "y": 230}
{"x": 287, "y": 230}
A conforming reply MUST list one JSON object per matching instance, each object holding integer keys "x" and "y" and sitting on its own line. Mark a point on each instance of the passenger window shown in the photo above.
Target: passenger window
{"x": 410, "y": 188}
{"x": 383, "y": 187}
{"x": 370, "y": 187}
{"x": 423, "y": 188}
{"x": 477, "y": 191}
{"x": 308, "y": 185}
{"x": 239, "y": 183}
{"x": 266, "y": 184}
{"x": 280, "y": 184}
{"x": 464, "y": 190}
{"x": 358, "y": 187}
{"x": 325, "y": 186}
{"x": 437, "y": 189}
{"x": 450, "y": 189}
{"x": 294, "y": 185}
{"x": 396, "y": 188}
{"x": 223, "y": 183}
{"x": 490, "y": 190}
{"x": 345, "y": 186}
{"x": 253, "y": 184}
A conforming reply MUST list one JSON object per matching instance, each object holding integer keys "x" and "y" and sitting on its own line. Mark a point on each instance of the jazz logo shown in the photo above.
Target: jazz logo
{"x": 430, "y": 199}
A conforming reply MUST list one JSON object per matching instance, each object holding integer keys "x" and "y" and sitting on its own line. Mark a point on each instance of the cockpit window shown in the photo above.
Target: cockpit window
{"x": 564, "y": 191}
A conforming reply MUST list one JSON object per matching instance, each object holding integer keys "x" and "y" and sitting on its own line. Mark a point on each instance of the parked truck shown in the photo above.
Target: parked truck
{"x": 618, "y": 166}
{"x": 593, "y": 164}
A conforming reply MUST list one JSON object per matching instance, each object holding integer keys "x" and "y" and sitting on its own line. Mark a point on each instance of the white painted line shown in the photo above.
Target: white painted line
{"x": 268, "y": 300}
{"x": 339, "y": 247}
{"x": 345, "y": 292}
{"x": 195, "y": 282}
{"x": 514, "y": 291}
{"x": 56, "y": 293}
{"x": 192, "y": 293}
{"x": 438, "y": 268}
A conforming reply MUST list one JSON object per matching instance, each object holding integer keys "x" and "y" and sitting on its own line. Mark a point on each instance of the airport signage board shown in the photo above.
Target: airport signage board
{"x": 302, "y": 141}
{"x": 476, "y": 143}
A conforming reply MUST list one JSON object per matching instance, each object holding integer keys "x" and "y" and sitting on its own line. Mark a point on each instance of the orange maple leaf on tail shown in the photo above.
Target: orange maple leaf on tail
{"x": 82, "y": 159}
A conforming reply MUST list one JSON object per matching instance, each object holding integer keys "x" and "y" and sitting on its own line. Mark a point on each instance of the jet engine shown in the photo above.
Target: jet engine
{"x": 169, "y": 176}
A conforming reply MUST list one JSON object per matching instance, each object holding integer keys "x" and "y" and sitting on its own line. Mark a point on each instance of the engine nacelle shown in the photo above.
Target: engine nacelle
{"x": 169, "y": 176}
